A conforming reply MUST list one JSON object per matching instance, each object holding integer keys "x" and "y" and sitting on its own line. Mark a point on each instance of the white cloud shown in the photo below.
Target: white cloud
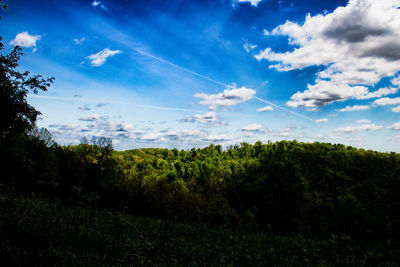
{"x": 100, "y": 58}
{"x": 68, "y": 127}
{"x": 210, "y": 119}
{"x": 252, "y": 2}
{"x": 23, "y": 39}
{"x": 387, "y": 101}
{"x": 324, "y": 92}
{"x": 266, "y": 108}
{"x": 361, "y": 128}
{"x": 84, "y": 107}
{"x": 354, "y": 108}
{"x": 395, "y": 126}
{"x": 248, "y": 47}
{"x": 151, "y": 137}
{"x": 184, "y": 135}
{"x": 358, "y": 45}
{"x": 255, "y": 127}
{"x": 218, "y": 138}
{"x": 229, "y": 97}
{"x": 79, "y": 41}
{"x": 363, "y": 121}
{"x": 396, "y": 80}
{"x": 321, "y": 120}
{"x": 396, "y": 109}
{"x": 93, "y": 117}
{"x": 98, "y": 4}
{"x": 381, "y": 92}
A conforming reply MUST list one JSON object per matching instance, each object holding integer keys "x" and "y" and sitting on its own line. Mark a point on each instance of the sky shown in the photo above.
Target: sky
{"x": 183, "y": 74}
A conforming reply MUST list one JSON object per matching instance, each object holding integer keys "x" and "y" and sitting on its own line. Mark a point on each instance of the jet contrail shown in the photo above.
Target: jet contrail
{"x": 179, "y": 67}
{"x": 219, "y": 83}
{"x": 287, "y": 110}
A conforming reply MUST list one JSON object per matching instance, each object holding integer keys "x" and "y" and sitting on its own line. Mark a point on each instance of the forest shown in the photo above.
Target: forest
{"x": 285, "y": 203}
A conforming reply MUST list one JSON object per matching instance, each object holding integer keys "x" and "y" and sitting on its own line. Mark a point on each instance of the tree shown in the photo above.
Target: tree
{"x": 17, "y": 116}
{"x": 22, "y": 158}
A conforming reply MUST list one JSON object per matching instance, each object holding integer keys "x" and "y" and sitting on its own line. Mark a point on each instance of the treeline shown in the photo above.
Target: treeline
{"x": 316, "y": 190}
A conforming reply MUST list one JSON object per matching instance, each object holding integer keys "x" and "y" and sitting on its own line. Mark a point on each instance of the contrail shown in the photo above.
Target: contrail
{"x": 219, "y": 83}
{"x": 287, "y": 110}
{"x": 179, "y": 67}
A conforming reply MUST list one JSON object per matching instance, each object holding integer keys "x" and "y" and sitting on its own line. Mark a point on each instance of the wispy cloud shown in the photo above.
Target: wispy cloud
{"x": 98, "y": 4}
{"x": 363, "y": 121}
{"x": 354, "y": 108}
{"x": 84, "y": 107}
{"x": 100, "y": 58}
{"x": 252, "y": 2}
{"x": 248, "y": 47}
{"x": 321, "y": 120}
{"x": 93, "y": 117}
{"x": 209, "y": 119}
{"x": 79, "y": 41}
{"x": 361, "y": 128}
{"x": 100, "y": 105}
{"x": 218, "y": 138}
{"x": 23, "y": 39}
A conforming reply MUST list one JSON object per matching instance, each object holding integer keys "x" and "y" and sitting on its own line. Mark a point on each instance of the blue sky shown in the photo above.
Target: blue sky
{"x": 189, "y": 73}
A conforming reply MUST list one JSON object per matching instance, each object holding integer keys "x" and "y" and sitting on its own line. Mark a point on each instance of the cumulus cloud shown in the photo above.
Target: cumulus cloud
{"x": 209, "y": 119}
{"x": 229, "y": 97}
{"x": 358, "y": 45}
{"x": 395, "y": 126}
{"x": 321, "y": 120}
{"x": 266, "y": 108}
{"x": 385, "y": 101}
{"x": 23, "y": 39}
{"x": 100, "y": 58}
{"x": 361, "y": 128}
{"x": 354, "y": 108}
{"x": 325, "y": 92}
{"x": 255, "y": 127}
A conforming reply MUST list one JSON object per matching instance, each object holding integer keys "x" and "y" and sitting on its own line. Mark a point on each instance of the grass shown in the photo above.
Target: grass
{"x": 34, "y": 232}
